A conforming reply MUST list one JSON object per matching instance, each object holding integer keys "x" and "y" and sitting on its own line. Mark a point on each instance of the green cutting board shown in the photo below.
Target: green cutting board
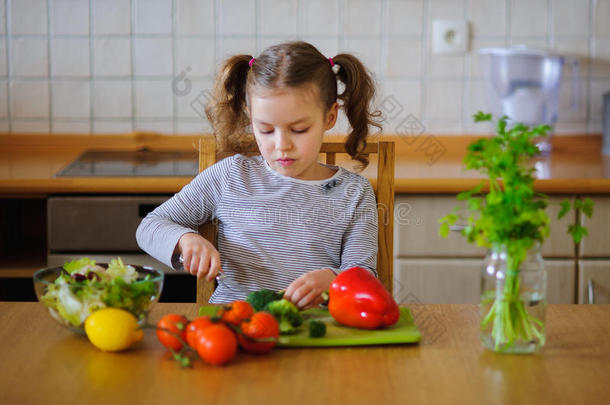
{"x": 403, "y": 331}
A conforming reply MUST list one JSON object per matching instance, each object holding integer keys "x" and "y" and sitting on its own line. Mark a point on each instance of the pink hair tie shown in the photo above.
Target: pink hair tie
{"x": 331, "y": 62}
{"x": 251, "y": 62}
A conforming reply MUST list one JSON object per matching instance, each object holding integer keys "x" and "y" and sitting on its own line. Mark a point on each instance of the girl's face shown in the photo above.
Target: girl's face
{"x": 289, "y": 125}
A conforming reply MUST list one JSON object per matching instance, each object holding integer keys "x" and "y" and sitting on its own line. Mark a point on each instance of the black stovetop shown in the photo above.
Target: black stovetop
{"x": 132, "y": 163}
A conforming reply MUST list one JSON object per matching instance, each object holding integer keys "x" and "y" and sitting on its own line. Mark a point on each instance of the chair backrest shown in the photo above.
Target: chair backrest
{"x": 384, "y": 192}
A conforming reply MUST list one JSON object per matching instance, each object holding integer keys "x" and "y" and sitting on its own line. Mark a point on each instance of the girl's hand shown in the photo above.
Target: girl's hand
{"x": 305, "y": 291}
{"x": 200, "y": 257}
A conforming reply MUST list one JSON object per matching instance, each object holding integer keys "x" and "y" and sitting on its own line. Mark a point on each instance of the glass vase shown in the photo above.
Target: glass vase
{"x": 513, "y": 301}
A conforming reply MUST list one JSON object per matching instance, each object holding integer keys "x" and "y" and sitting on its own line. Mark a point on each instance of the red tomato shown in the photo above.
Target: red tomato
{"x": 236, "y": 312}
{"x": 173, "y": 323}
{"x": 262, "y": 325}
{"x": 195, "y": 327}
{"x": 216, "y": 345}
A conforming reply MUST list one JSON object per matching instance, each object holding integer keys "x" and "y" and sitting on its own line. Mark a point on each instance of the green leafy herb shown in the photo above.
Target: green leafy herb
{"x": 505, "y": 210}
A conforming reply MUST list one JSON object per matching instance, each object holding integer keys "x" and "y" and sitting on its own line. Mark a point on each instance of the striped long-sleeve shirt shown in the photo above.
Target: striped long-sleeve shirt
{"x": 271, "y": 228}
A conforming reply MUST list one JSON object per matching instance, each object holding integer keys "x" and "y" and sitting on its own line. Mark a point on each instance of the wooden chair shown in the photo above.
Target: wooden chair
{"x": 384, "y": 192}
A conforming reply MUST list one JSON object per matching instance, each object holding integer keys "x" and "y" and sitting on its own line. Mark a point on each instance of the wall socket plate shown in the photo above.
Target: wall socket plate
{"x": 450, "y": 36}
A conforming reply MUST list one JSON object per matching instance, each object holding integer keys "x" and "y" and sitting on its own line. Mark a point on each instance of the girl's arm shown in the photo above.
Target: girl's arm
{"x": 159, "y": 232}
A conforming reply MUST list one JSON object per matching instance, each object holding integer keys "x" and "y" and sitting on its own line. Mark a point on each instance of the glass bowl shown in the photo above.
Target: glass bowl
{"x": 71, "y": 303}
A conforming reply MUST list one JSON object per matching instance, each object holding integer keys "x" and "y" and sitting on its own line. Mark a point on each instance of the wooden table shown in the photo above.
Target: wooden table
{"x": 43, "y": 363}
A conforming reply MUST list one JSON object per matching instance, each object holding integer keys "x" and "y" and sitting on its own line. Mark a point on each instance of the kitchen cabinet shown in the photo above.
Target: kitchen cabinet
{"x": 416, "y": 229}
{"x": 594, "y": 266}
{"x": 457, "y": 281}
{"x": 597, "y": 243}
{"x": 594, "y": 282}
{"x": 432, "y": 269}
{"x": 439, "y": 281}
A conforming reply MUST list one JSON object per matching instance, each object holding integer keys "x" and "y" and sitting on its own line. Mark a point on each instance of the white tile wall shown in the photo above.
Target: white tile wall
{"x": 112, "y": 127}
{"x": 404, "y": 17}
{"x": 278, "y": 17}
{"x": 237, "y": 17}
{"x": 488, "y": 17}
{"x": 189, "y": 106}
{"x": 112, "y": 17}
{"x": 443, "y": 101}
{"x": 2, "y": 18}
{"x": 529, "y": 18}
{"x": 367, "y": 50}
{"x": 112, "y": 56}
{"x": 571, "y": 18}
{"x": 28, "y": 17}
{"x": 600, "y": 67}
{"x": 228, "y": 46}
{"x": 153, "y": 56}
{"x": 71, "y": 127}
{"x": 3, "y": 99}
{"x": 107, "y": 66}
{"x": 3, "y": 70}
{"x": 29, "y": 99}
{"x": 71, "y": 99}
{"x": 600, "y": 14}
{"x": 112, "y": 99}
{"x": 362, "y": 18}
{"x": 70, "y": 57}
{"x": 153, "y": 99}
{"x": 30, "y": 126}
{"x": 196, "y": 55}
{"x": 70, "y": 17}
{"x": 30, "y": 57}
{"x": 153, "y": 17}
{"x": 403, "y": 57}
{"x": 195, "y": 17}
{"x": 160, "y": 126}
{"x": 320, "y": 17}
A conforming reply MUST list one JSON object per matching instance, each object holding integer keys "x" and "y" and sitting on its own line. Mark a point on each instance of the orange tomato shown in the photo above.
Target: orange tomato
{"x": 168, "y": 326}
{"x": 236, "y": 312}
{"x": 216, "y": 344}
{"x": 262, "y": 325}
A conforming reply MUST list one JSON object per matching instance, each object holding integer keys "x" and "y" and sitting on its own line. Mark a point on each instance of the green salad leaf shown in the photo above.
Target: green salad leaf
{"x": 74, "y": 298}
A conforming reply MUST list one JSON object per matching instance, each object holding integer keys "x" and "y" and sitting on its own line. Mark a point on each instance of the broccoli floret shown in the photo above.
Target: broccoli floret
{"x": 287, "y": 314}
{"x": 317, "y": 328}
{"x": 260, "y": 299}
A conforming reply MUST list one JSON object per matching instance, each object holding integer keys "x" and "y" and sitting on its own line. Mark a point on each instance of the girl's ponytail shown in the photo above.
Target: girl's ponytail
{"x": 226, "y": 110}
{"x": 357, "y": 101}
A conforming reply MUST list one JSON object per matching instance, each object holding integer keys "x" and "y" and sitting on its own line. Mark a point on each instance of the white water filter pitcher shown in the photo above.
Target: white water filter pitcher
{"x": 523, "y": 84}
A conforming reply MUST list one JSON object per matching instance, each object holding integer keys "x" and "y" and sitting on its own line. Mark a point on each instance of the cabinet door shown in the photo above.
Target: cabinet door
{"x": 457, "y": 281}
{"x": 560, "y": 279}
{"x": 416, "y": 229}
{"x": 559, "y": 243}
{"x": 438, "y": 281}
{"x": 594, "y": 282}
{"x": 597, "y": 243}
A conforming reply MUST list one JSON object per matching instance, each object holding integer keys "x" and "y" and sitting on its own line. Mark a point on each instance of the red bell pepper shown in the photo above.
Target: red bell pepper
{"x": 357, "y": 298}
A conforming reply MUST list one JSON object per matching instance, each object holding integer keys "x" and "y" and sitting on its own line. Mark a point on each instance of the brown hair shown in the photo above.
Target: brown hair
{"x": 291, "y": 64}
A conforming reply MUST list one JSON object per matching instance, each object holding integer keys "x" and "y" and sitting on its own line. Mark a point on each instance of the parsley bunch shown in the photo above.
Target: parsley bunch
{"x": 511, "y": 215}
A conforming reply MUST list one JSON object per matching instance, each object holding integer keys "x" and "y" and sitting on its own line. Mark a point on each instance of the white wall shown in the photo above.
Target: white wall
{"x": 105, "y": 66}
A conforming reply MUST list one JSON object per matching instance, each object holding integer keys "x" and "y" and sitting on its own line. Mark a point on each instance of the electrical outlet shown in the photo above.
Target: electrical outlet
{"x": 450, "y": 36}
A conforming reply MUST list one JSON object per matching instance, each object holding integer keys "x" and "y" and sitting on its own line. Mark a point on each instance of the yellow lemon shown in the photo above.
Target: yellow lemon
{"x": 112, "y": 329}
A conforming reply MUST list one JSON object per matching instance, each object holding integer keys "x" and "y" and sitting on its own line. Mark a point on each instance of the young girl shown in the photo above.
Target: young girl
{"x": 285, "y": 221}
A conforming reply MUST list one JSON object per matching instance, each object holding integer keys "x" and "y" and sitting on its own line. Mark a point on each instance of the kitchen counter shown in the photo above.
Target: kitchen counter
{"x": 425, "y": 164}
{"x": 45, "y": 363}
